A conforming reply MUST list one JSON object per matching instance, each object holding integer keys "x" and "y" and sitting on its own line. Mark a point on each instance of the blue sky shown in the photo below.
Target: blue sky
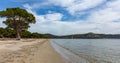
{"x": 62, "y": 17}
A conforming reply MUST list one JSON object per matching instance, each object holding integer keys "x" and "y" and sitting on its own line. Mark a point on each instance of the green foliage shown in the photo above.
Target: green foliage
{"x": 35, "y": 35}
{"x": 44, "y": 36}
{"x": 9, "y": 33}
{"x": 5, "y": 32}
{"x": 17, "y": 17}
{"x": 25, "y": 34}
{"x": 2, "y": 31}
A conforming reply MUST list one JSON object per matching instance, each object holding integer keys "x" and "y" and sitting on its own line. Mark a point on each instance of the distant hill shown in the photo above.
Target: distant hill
{"x": 87, "y": 36}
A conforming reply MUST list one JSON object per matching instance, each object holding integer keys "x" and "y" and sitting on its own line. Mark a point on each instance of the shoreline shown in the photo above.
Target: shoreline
{"x": 68, "y": 56}
{"x": 28, "y": 51}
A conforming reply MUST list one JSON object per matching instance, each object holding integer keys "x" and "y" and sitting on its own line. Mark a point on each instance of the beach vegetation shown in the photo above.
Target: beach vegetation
{"x": 17, "y": 19}
{"x": 9, "y": 33}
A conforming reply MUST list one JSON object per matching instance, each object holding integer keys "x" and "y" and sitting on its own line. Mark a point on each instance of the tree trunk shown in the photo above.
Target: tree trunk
{"x": 18, "y": 37}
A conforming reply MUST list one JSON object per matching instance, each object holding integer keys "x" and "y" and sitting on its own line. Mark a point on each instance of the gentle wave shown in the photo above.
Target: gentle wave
{"x": 89, "y": 59}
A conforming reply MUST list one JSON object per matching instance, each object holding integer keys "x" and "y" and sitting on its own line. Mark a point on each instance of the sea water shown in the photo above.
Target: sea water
{"x": 91, "y": 50}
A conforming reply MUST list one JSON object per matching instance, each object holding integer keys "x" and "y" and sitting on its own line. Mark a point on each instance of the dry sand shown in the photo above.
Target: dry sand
{"x": 28, "y": 51}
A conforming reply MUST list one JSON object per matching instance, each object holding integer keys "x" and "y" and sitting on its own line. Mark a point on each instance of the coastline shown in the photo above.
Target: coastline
{"x": 28, "y": 51}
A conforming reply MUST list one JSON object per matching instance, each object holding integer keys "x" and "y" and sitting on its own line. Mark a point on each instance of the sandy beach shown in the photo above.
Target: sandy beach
{"x": 28, "y": 51}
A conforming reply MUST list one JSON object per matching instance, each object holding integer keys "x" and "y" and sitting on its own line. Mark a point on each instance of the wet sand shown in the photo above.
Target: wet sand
{"x": 28, "y": 51}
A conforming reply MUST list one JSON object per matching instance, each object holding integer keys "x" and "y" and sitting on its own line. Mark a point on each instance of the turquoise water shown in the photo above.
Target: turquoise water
{"x": 93, "y": 50}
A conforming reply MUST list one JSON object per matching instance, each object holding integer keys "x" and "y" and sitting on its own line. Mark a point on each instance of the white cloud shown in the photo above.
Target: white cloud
{"x": 53, "y": 17}
{"x": 63, "y": 28}
{"x": 106, "y": 15}
{"x": 108, "y": 19}
{"x": 75, "y": 6}
{"x": 48, "y": 17}
{"x": 105, "y": 20}
{"x": 27, "y": 6}
{"x": 72, "y": 6}
{"x": 48, "y": 25}
{"x": 37, "y": 5}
